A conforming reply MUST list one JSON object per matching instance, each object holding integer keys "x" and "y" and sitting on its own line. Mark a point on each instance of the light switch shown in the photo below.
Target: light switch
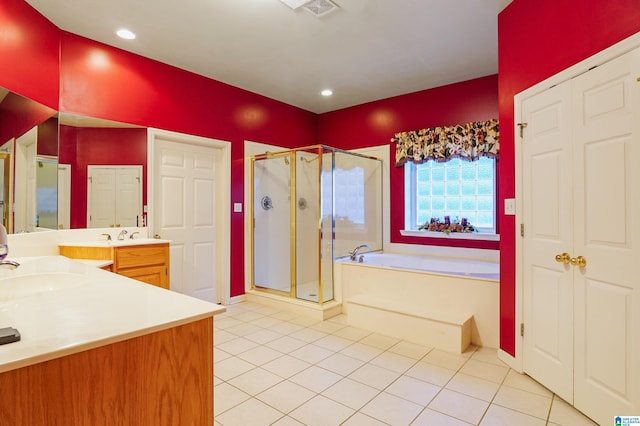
{"x": 237, "y": 207}
{"x": 510, "y": 206}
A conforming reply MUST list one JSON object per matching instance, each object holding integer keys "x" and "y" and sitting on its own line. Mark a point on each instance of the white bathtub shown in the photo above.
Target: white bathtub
{"x": 428, "y": 283}
{"x": 432, "y": 264}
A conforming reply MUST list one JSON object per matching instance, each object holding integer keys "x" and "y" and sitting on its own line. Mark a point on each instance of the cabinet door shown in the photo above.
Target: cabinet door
{"x": 155, "y": 275}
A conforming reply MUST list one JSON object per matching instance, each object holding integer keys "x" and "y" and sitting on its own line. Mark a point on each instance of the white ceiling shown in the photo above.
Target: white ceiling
{"x": 365, "y": 50}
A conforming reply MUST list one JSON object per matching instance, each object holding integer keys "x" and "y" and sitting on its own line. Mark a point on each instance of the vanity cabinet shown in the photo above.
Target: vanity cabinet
{"x": 148, "y": 263}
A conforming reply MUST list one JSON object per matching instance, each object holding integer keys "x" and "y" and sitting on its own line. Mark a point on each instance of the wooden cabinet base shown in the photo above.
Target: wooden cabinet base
{"x": 163, "y": 378}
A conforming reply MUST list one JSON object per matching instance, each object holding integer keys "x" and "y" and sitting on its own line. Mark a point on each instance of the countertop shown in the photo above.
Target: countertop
{"x": 115, "y": 243}
{"x": 61, "y": 306}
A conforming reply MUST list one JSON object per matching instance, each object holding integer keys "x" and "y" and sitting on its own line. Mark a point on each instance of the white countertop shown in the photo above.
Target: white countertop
{"x": 61, "y": 306}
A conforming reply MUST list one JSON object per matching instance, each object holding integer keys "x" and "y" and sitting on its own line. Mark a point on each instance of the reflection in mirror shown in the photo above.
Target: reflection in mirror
{"x": 24, "y": 124}
{"x": 107, "y": 162}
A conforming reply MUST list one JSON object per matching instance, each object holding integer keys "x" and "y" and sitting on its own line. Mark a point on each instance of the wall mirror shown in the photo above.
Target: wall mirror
{"x": 28, "y": 157}
{"x": 44, "y": 162}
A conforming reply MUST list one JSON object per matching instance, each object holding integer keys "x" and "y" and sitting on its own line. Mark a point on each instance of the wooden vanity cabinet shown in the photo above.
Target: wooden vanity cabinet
{"x": 148, "y": 263}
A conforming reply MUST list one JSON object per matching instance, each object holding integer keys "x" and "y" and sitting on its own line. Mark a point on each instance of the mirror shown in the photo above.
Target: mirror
{"x": 105, "y": 162}
{"x": 44, "y": 158}
{"x": 28, "y": 130}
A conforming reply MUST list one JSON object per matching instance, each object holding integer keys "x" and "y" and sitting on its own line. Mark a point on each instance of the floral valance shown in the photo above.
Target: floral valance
{"x": 467, "y": 141}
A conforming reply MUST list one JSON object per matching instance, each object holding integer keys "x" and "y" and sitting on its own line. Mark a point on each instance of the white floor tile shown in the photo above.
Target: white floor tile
{"x": 392, "y": 409}
{"x": 484, "y": 370}
{"x": 413, "y": 390}
{"x": 321, "y": 411}
{"x": 446, "y": 359}
{"x": 352, "y": 333}
{"x": 315, "y": 378}
{"x": 286, "y": 396}
{"x": 362, "y": 352}
{"x": 351, "y": 376}
{"x": 333, "y": 343}
{"x": 523, "y": 401}
{"x": 232, "y": 367}
{"x": 251, "y": 412}
{"x": 263, "y": 336}
{"x": 473, "y": 386}
{"x": 286, "y": 366}
{"x": 311, "y": 353}
{"x": 226, "y": 396}
{"x": 526, "y": 383}
{"x": 379, "y": 341}
{"x": 394, "y": 362}
{"x": 374, "y": 376}
{"x": 565, "y": 415}
{"x": 411, "y": 350}
{"x": 351, "y": 393}
{"x": 237, "y": 345}
{"x": 341, "y": 364}
{"x": 433, "y": 418}
{"x": 434, "y": 374}
{"x": 499, "y": 416}
{"x": 460, "y": 406}
{"x": 286, "y": 344}
{"x": 359, "y": 419}
{"x": 255, "y": 381}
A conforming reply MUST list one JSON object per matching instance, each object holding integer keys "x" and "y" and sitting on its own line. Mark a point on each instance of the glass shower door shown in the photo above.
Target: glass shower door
{"x": 272, "y": 224}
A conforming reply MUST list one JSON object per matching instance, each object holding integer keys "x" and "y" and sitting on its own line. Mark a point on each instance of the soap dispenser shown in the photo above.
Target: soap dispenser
{"x": 4, "y": 245}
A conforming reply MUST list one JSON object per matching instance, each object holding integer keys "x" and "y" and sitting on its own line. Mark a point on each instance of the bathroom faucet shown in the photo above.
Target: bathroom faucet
{"x": 108, "y": 236}
{"x": 354, "y": 253}
{"x": 132, "y": 235}
{"x": 122, "y": 234}
{"x": 4, "y": 250}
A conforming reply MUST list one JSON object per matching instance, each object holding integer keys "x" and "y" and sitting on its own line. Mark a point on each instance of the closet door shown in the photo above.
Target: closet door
{"x": 606, "y": 180}
{"x": 547, "y": 283}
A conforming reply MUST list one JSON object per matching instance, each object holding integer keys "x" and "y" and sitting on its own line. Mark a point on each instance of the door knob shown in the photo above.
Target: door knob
{"x": 563, "y": 258}
{"x": 579, "y": 261}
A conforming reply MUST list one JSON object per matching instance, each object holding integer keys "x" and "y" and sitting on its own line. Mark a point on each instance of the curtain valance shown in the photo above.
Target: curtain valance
{"x": 467, "y": 141}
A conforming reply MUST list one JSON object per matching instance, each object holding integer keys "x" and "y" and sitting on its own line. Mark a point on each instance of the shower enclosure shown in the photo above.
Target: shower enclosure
{"x": 309, "y": 206}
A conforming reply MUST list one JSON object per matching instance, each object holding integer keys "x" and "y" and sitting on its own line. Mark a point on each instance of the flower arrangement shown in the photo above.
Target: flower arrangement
{"x": 448, "y": 226}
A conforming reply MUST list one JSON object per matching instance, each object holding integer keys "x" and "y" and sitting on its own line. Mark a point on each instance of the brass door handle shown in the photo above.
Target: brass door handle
{"x": 563, "y": 258}
{"x": 579, "y": 261}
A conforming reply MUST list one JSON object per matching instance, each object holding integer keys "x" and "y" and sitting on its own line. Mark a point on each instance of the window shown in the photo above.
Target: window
{"x": 458, "y": 189}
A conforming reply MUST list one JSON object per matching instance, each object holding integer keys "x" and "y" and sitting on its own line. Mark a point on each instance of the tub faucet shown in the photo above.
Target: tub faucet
{"x": 122, "y": 234}
{"x": 353, "y": 254}
{"x": 8, "y": 264}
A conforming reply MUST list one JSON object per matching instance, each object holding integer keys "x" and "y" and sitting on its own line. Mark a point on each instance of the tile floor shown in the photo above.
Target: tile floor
{"x": 277, "y": 368}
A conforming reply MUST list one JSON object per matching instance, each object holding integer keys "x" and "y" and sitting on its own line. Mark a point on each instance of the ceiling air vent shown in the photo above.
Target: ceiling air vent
{"x": 320, "y": 7}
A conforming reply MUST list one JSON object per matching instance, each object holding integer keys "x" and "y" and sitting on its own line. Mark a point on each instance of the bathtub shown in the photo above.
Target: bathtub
{"x": 432, "y": 264}
{"x": 450, "y": 287}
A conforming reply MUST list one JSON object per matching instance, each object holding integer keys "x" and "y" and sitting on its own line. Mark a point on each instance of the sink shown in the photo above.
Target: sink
{"x": 32, "y": 284}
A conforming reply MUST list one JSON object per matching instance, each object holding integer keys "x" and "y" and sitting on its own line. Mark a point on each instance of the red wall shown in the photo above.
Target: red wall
{"x": 84, "y": 146}
{"x": 537, "y": 40}
{"x": 104, "y": 82}
{"x": 19, "y": 114}
{"x": 375, "y": 123}
{"x": 29, "y": 46}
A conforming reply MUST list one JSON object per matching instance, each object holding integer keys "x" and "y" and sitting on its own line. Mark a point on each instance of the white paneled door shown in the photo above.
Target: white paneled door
{"x": 548, "y": 285}
{"x": 186, "y": 190}
{"x": 581, "y": 189}
{"x": 114, "y": 196}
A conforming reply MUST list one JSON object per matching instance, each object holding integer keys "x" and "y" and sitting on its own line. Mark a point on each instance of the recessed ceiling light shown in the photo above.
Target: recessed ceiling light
{"x": 125, "y": 34}
{"x": 327, "y": 92}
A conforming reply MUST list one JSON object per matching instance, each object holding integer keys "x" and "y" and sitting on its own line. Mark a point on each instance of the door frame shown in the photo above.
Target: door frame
{"x": 223, "y": 215}
{"x": 582, "y": 67}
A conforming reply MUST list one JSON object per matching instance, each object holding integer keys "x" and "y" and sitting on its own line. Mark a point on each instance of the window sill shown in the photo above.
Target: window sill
{"x": 454, "y": 235}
